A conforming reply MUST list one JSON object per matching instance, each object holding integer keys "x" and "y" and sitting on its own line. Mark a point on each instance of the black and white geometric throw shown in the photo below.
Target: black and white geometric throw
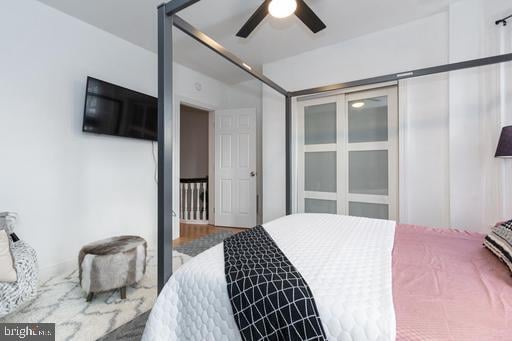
{"x": 270, "y": 298}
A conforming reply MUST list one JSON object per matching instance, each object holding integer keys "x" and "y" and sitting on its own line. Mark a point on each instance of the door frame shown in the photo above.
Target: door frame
{"x": 210, "y": 108}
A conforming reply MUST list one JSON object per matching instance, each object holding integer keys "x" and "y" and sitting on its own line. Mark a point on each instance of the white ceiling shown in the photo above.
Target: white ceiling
{"x": 274, "y": 39}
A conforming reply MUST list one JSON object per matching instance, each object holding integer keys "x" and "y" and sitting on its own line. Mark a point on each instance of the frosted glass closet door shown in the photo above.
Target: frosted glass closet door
{"x": 372, "y": 154}
{"x": 319, "y": 171}
{"x": 347, "y": 160}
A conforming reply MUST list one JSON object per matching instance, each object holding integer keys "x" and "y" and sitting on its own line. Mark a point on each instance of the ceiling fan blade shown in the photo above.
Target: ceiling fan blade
{"x": 255, "y": 19}
{"x": 308, "y": 17}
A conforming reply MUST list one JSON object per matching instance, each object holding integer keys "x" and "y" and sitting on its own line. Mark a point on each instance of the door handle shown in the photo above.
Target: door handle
{"x": 253, "y": 174}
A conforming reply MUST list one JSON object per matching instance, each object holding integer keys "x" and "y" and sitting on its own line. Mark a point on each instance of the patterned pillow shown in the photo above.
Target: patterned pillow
{"x": 499, "y": 242}
{"x": 3, "y": 224}
{"x": 7, "y": 223}
{"x": 7, "y": 272}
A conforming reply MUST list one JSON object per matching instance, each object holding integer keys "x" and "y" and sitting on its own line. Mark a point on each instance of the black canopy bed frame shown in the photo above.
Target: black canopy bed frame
{"x": 167, "y": 18}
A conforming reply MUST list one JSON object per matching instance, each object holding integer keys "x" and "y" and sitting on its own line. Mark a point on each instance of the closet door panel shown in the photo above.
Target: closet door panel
{"x": 320, "y": 124}
{"x": 372, "y": 159}
{"x": 320, "y": 206}
{"x": 368, "y": 210}
{"x": 368, "y": 120}
{"x": 318, "y": 158}
{"x": 320, "y": 172}
{"x": 368, "y": 172}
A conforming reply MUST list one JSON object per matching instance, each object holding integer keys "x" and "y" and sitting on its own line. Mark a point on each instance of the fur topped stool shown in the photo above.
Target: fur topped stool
{"x": 112, "y": 263}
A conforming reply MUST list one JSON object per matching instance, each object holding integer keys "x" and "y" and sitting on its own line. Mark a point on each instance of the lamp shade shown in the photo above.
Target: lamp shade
{"x": 505, "y": 144}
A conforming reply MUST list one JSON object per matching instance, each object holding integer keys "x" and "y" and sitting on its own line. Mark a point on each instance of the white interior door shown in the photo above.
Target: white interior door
{"x": 235, "y": 167}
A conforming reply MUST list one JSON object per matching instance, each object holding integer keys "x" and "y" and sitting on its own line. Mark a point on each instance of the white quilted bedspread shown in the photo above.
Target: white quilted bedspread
{"x": 345, "y": 260}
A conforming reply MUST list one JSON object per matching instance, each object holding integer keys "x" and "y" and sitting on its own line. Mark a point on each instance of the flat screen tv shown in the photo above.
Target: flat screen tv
{"x": 114, "y": 110}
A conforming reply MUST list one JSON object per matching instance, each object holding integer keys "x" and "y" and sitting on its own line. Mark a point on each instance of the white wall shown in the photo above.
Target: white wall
{"x": 424, "y": 156}
{"x": 449, "y": 123}
{"x": 379, "y": 53}
{"x": 274, "y": 154}
{"x": 476, "y": 181}
{"x": 68, "y": 187}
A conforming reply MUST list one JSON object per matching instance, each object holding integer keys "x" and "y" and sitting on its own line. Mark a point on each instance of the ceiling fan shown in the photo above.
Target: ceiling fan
{"x": 282, "y": 9}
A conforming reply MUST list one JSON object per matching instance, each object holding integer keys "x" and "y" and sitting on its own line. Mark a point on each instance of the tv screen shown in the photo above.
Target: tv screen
{"x": 114, "y": 110}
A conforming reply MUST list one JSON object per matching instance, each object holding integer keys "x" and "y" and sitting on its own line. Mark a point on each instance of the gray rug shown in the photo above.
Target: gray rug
{"x": 197, "y": 246}
{"x": 133, "y": 330}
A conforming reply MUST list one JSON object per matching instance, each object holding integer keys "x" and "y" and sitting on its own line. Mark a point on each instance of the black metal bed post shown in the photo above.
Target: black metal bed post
{"x": 165, "y": 152}
{"x": 288, "y": 119}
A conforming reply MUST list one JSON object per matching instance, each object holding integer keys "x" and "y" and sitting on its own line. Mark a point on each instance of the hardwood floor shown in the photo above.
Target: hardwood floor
{"x": 190, "y": 232}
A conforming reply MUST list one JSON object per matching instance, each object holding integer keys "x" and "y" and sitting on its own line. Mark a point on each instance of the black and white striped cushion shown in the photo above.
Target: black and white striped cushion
{"x": 499, "y": 242}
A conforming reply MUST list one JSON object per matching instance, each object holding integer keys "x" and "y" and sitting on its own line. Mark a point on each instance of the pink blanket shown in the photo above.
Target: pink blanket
{"x": 446, "y": 286}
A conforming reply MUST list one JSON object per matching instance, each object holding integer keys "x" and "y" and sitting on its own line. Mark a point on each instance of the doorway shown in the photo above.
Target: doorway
{"x": 218, "y": 174}
{"x": 348, "y": 154}
{"x": 195, "y": 192}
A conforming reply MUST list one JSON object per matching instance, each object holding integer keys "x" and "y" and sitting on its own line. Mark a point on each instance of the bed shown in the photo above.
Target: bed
{"x": 371, "y": 280}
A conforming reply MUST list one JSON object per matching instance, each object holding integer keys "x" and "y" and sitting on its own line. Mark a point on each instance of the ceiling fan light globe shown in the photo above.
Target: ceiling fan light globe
{"x": 282, "y": 8}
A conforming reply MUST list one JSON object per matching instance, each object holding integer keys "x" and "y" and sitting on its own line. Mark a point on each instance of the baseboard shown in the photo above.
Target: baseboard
{"x": 47, "y": 272}
{"x": 194, "y": 222}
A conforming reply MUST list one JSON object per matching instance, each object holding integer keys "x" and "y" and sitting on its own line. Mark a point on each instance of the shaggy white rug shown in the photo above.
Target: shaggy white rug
{"x": 61, "y": 301}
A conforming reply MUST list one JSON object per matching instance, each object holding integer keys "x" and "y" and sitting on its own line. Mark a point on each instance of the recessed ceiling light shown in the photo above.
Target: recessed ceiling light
{"x": 358, "y": 105}
{"x": 282, "y": 8}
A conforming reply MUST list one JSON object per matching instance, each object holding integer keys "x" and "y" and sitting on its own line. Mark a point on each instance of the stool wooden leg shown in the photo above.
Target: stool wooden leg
{"x": 123, "y": 293}
{"x": 90, "y": 296}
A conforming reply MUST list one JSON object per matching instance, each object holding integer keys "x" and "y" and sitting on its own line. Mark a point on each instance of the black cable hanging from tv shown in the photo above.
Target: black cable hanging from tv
{"x": 503, "y": 21}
